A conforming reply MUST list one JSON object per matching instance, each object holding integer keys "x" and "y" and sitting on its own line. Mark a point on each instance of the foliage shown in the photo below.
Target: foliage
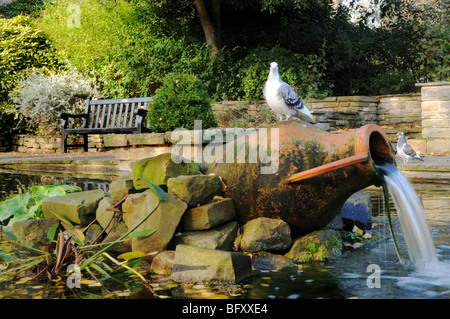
{"x": 181, "y": 99}
{"x": 305, "y": 73}
{"x": 132, "y": 45}
{"x": 28, "y": 205}
{"x": 12, "y": 121}
{"x": 18, "y": 7}
{"x": 42, "y": 97}
{"x": 22, "y": 47}
{"x": 434, "y": 45}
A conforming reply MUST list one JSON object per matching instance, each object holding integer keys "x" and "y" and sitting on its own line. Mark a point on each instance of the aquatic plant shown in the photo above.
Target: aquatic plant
{"x": 28, "y": 205}
{"x": 71, "y": 253}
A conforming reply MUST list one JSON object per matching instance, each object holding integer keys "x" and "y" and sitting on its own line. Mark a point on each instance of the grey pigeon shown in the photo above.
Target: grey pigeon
{"x": 405, "y": 150}
{"x": 282, "y": 99}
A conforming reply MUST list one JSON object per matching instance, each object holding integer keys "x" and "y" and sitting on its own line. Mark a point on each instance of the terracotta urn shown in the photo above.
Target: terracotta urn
{"x": 309, "y": 176}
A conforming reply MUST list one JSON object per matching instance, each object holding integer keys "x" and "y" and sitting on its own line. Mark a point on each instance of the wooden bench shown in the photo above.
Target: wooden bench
{"x": 106, "y": 117}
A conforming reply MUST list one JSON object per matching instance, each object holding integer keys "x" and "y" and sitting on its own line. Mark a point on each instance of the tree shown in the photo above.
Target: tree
{"x": 209, "y": 14}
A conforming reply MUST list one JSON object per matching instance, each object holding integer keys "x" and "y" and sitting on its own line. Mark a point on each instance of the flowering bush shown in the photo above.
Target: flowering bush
{"x": 42, "y": 97}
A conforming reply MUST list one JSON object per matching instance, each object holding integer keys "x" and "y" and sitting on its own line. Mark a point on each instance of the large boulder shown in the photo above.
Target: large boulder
{"x": 78, "y": 208}
{"x": 209, "y": 215}
{"x": 193, "y": 264}
{"x": 221, "y": 237}
{"x": 319, "y": 245}
{"x": 120, "y": 188}
{"x": 160, "y": 168}
{"x": 33, "y": 232}
{"x": 104, "y": 217}
{"x": 164, "y": 220}
{"x": 265, "y": 234}
{"x": 195, "y": 189}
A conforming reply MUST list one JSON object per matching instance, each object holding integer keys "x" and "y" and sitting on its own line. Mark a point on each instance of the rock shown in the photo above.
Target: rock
{"x": 118, "y": 248}
{"x": 33, "y": 232}
{"x": 104, "y": 217}
{"x": 92, "y": 233}
{"x": 159, "y": 169}
{"x": 77, "y": 208}
{"x": 209, "y": 215}
{"x": 120, "y": 188}
{"x": 193, "y": 264}
{"x": 162, "y": 264}
{"x": 115, "y": 140}
{"x": 164, "y": 219}
{"x": 267, "y": 261}
{"x": 357, "y": 211}
{"x": 265, "y": 234}
{"x": 316, "y": 246}
{"x": 195, "y": 189}
{"x": 220, "y": 237}
{"x": 336, "y": 223}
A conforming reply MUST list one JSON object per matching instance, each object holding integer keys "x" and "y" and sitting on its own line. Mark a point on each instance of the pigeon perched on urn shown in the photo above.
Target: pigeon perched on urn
{"x": 282, "y": 98}
{"x": 405, "y": 150}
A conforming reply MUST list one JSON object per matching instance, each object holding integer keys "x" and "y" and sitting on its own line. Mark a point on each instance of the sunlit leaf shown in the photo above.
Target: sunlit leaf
{"x": 158, "y": 190}
{"x": 132, "y": 255}
{"x": 10, "y": 235}
{"x": 52, "y": 231}
{"x": 143, "y": 233}
{"x": 5, "y": 257}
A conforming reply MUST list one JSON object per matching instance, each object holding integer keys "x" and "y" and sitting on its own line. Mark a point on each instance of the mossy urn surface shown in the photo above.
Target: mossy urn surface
{"x": 313, "y": 171}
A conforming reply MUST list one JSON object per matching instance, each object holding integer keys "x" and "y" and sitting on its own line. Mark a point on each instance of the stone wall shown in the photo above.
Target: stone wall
{"x": 52, "y": 144}
{"x": 435, "y": 110}
{"x": 399, "y": 110}
{"x": 344, "y": 111}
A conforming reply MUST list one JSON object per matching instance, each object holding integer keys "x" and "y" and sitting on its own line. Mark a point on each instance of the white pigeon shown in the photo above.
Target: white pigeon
{"x": 405, "y": 150}
{"x": 282, "y": 99}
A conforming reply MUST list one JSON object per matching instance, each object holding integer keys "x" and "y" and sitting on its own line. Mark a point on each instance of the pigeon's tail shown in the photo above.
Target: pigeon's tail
{"x": 300, "y": 106}
{"x": 302, "y": 109}
{"x": 416, "y": 156}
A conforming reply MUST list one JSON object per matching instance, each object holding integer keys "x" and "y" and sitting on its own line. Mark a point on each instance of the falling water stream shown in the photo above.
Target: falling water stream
{"x": 426, "y": 267}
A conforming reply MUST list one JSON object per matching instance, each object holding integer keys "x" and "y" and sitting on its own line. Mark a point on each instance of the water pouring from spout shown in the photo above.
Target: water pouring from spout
{"x": 415, "y": 229}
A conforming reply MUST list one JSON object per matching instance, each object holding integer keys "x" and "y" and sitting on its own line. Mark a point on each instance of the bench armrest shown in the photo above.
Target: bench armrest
{"x": 141, "y": 112}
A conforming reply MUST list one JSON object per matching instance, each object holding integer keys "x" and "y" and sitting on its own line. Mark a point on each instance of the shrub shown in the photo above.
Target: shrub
{"x": 18, "y": 7}
{"x": 22, "y": 47}
{"x": 180, "y": 100}
{"x": 42, "y": 97}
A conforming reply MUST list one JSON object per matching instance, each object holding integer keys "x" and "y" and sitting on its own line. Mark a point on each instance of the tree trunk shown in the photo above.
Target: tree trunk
{"x": 209, "y": 13}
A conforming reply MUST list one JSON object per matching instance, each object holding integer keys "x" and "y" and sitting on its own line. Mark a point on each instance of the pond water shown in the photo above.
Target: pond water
{"x": 372, "y": 271}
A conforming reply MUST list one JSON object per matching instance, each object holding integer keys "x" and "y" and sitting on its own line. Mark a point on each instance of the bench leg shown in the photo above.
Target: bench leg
{"x": 85, "y": 142}
{"x": 63, "y": 142}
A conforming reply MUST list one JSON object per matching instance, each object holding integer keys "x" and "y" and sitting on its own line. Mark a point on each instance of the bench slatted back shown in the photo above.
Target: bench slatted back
{"x": 114, "y": 113}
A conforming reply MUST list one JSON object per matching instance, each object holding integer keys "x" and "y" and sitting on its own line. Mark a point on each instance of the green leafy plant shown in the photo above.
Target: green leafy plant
{"x": 41, "y": 97}
{"x": 22, "y": 47}
{"x": 182, "y": 99}
{"x": 29, "y": 205}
